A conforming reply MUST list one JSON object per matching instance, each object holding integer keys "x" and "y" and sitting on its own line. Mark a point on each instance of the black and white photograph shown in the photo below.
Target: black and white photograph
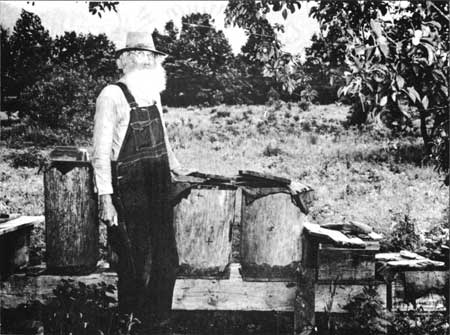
{"x": 262, "y": 167}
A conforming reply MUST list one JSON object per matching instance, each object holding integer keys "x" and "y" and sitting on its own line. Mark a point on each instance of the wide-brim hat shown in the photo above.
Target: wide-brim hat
{"x": 140, "y": 41}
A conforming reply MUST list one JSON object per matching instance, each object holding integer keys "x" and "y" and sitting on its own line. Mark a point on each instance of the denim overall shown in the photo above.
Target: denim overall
{"x": 145, "y": 238}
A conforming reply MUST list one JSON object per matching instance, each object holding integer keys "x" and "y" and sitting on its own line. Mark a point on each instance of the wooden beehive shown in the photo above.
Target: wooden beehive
{"x": 202, "y": 224}
{"x": 72, "y": 234}
{"x": 270, "y": 242}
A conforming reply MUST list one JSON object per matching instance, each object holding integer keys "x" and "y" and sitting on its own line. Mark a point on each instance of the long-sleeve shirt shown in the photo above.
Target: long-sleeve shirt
{"x": 111, "y": 120}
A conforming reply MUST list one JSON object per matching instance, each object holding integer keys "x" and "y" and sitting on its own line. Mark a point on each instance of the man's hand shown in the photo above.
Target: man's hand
{"x": 107, "y": 211}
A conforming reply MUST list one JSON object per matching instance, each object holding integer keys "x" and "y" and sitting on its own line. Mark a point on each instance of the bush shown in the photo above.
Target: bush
{"x": 417, "y": 322}
{"x": 403, "y": 235}
{"x": 65, "y": 99}
{"x": 27, "y": 158}
{"x": 76, "y": 309}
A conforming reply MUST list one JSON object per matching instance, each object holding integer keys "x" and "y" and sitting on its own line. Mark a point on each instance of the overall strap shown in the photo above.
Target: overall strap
{"x": 130, "y": 99}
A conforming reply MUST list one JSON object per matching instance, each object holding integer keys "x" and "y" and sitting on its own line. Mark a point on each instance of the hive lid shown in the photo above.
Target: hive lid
{"x": 69, "y": 154}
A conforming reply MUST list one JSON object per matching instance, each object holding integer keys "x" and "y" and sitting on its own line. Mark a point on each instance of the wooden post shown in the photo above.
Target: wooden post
{"x": 304, "y": 303}
{"x": 72, "y": 234}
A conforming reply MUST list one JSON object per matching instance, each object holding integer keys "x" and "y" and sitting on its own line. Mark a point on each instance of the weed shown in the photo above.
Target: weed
{"x": 272, "y": 149}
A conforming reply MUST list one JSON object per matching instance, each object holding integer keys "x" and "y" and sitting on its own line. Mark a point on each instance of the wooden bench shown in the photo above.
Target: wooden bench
{"x": 15, "y": 242}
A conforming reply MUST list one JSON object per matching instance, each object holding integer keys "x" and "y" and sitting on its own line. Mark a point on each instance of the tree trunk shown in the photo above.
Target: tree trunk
{"x": 423, "y": 129}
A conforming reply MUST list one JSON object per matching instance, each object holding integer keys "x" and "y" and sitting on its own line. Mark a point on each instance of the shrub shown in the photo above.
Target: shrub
{"x": 403, "y": 235}
{"x": 77, "y": 309}
{"x": 27, "y": 158}
{"x": 65, "y": 99}
{"x": 272, "y": 149}
{"x": 417, "y": 322}
{"x": 369, "y": 315}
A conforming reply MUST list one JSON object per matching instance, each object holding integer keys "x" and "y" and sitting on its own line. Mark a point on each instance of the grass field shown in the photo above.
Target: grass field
{"x": 364, "y": 175}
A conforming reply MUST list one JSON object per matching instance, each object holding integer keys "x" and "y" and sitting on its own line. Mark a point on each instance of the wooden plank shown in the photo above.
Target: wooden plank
{"x": 264, "y": 176}
{"x": 19, "y": 223}
{"x": 345, "y": 264}
{"x": 332, "y": 298}
{"x": 189, "y": 294}
{"x": 415, "y": 264}
{"x": 204, "y": 294}
{"x": 236, "y": 228}
{"x": 333, "y": 236}
{"x": 304, "y": 315}
{"x": 271, "y": 237}
{"x": 21, "y": 288}
{"x": 202, "y": 228}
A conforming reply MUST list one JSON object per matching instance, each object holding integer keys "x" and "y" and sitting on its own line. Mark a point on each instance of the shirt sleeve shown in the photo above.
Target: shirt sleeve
{"x": 104, "y": 122}
{"x": 173, "y": 161}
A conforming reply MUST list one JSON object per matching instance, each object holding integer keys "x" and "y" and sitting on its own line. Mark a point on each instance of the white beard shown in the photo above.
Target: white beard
{"x": 146, "y": 84}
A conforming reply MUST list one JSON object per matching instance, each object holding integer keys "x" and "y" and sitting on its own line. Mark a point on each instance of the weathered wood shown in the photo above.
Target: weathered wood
{"x": 332, "y": 236}
{"x": 72, "y": 234}
{"x": 22, "y": 288}
{"x": 204, "y": 294}
{"x": 236, "y": 228}
{"x": 264, "y": 177}
{"x": 331, "y": 298}
{"x": 426, "y": 290}
{"x": 304, "y": 314}
{"x": 20, "y": 223}
{"x": 345, "y": 264}
{"x": 271, "y": 237}
{"x": 407, "y": 261}
{"x": 203, "y": 224}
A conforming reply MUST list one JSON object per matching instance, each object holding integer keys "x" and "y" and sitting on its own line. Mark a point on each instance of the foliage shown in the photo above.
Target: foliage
{"x": 56, "y": 80}
{"x": 97, "y": 7}
{"x": 369, "y": 314}
{"x": 65, "y": 99}
{"x": 78, "y": 308}
{"x": 396, "y": 51}
{"x": 435, "y": 244}
{"x": 416, "y": 322}
{"x": 264, "y": 46}
{"x": 95, "y": 52}
{"x": 28, "y": 54}
{"x": 200, "y": 65}
{"x": 325, "y": 64}
{"x": 403, "y": 235}
{"x": 30, "y": 157}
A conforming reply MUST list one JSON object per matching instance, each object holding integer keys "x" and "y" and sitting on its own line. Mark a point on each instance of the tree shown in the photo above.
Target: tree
{"x": 392, "y": 58}
{"x": 198, "y": 59}
{"x": 395, "y": 50}
{"x": 7, "y": 63}
{"x": 250, "y": 15}
{"x": 94, "y": 51}
{"x": 30, "y": 52}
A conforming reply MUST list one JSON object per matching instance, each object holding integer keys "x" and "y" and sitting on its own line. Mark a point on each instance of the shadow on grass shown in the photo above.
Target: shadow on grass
{"x": 407, "y": 153}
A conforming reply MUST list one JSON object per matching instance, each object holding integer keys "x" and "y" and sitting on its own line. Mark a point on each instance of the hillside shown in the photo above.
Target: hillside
{"x": 363, "y": 175}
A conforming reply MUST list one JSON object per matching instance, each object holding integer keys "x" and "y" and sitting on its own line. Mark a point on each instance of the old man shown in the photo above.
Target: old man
{"x": 132, "y": 161}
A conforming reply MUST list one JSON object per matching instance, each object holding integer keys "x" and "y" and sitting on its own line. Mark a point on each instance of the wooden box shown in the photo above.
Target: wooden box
{"x": 346, "y": 264}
